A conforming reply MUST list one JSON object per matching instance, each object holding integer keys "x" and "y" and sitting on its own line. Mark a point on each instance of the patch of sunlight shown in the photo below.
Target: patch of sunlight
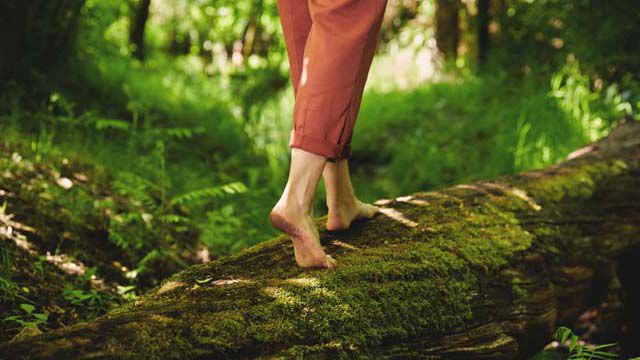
{"x": 160, "y": 318}
{"x": 324, "y": 292}
{"x": 19, "y": 239}
{"x": 203, "y": 254}
{"x": 304, "y": 282}
{"x": 170, "y": 285}
{"x": 221, "y": 282}
{"x": 517, "y": 192}
{"x": 345, "y": 245}
{"x": 66, "y": 264}
{"x": 230, "y": 281}
{"x": 580, "y": 152}
{"x": 8, "y": 231}
{"x": 439, "y": 195}
{"x": 282, "y": 296}
{"x": 398, "y": 216}
{"x": 81, "y": 177}
{"x": 383, "y": 202}
{"x": 64, "y": 183}
{"x": 406, "y": 66}
{"x": 314, "y": 284}
{"x": 412, "y": 200}
{"x": 404, "y": 198}
{"x": 471, "y": 187}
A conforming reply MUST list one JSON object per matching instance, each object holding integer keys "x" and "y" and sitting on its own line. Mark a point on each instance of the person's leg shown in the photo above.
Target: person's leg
{"x": 328, "y": 80}
{"x": 295, "y": 19}
{"x": 342, "y": 203}
{"x": 293, "y": 214}
{"x": 335, "y": 64}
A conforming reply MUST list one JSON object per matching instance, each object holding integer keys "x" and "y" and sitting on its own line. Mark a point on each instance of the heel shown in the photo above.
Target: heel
{"x": 280, "y": 223}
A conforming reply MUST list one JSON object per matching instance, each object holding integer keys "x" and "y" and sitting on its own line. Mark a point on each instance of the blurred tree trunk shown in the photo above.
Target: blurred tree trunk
{"x": 36, "y": 35}
{"x": 483, "y": 30}
{"x": 137, "y": 29}
{"x": 396, "y": 17}
{"x": 252, "y": 30}
{"x": 448, "y": 27}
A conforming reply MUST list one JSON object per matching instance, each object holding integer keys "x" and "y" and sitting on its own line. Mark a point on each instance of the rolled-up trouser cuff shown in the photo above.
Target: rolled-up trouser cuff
{"x": 318, "y": 146}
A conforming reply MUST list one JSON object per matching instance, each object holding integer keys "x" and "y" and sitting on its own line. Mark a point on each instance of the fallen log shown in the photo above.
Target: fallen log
{"x": 486, "y": 270}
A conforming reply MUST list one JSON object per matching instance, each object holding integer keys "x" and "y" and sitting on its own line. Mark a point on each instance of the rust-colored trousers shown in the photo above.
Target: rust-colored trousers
{"x": 330, "y": 44}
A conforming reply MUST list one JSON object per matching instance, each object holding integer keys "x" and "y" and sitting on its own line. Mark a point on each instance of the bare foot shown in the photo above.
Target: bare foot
{"x": 304, "y": 234}
{"x": 341, "y": 216}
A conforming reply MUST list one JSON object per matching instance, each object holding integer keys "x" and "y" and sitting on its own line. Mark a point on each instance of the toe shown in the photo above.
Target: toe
{"x": 369, "y": 210}
{"x": 374, "y": 210}
{"x": 331, "y": 262}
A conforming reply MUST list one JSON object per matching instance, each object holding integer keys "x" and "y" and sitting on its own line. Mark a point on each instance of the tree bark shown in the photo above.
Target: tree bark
{"x": 483, "y": 30}
{"x": 36, "y": 35}
{"x": 447, "y": 27}
{"x": 252, "y": 31}
{"x": 138, "y": 26}
{"x": 485, "y": 270}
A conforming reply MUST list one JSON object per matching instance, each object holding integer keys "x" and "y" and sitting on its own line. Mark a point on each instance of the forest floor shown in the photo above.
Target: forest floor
{"x": 58, "y": 265}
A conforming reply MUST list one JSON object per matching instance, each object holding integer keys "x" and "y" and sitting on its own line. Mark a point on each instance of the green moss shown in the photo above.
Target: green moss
{"x": 390, "y": 288}
{"x": 415, "y": 274}
{"x": 575, "y": 182}
{"x": 517, "y": 289}
{"x": 423, "y": 284}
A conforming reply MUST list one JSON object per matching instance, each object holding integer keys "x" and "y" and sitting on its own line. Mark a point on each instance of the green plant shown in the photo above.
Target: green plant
{"x": 8, "y": 288}
{"x": 456, "y": 131}
{"x": 90, "y": 298}
{"x": 6, "y": 260}
{"x": 577, "y": 351}
{"x": 593, "y": 107}
{"x": 28, "y": 317}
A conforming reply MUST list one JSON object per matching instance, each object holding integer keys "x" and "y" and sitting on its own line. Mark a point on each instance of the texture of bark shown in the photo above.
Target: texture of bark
{"x": 138, "y": 26}
{"x": 483, "y": 29}
{"x": 38, "y": 35}
{"x": 448, "y": 27}
{"x": 485, "y": 270}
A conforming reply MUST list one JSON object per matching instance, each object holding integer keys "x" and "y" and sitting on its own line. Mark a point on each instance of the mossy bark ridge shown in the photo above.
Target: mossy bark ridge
{"x": 485, "y": 270}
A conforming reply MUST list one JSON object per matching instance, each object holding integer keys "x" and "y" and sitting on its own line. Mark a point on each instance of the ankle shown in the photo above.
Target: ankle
{"x": 289, "y": 207}
{"x": 343, "y": 203}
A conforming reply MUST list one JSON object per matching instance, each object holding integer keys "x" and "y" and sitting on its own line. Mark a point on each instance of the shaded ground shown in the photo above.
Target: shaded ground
{"x": 60, "y": 258}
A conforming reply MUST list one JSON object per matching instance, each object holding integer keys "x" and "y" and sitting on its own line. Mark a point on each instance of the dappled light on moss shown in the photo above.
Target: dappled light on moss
{"x": 520, "y": 193}
{"x": 397, "y": 216}
{"x": 169, "y": 286}
{"x": 304, "y": 282}
{"x": 344, "y": 245}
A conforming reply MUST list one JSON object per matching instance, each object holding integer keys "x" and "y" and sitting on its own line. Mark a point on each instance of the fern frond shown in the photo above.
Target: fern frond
{"x": 216, "y": 192}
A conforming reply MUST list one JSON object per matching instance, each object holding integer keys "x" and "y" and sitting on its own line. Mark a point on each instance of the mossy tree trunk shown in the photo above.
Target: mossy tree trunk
{"x": 485, "y": 270}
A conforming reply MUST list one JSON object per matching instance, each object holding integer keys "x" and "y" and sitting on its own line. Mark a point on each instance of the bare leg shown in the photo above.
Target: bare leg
{"x": 293, "y": 214}
{"x": 343, "y": 205}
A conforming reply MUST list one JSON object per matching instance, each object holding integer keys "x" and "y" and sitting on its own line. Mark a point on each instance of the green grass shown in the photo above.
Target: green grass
{"x": 165, "y": 131}
{"x": 471, "y": 128}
